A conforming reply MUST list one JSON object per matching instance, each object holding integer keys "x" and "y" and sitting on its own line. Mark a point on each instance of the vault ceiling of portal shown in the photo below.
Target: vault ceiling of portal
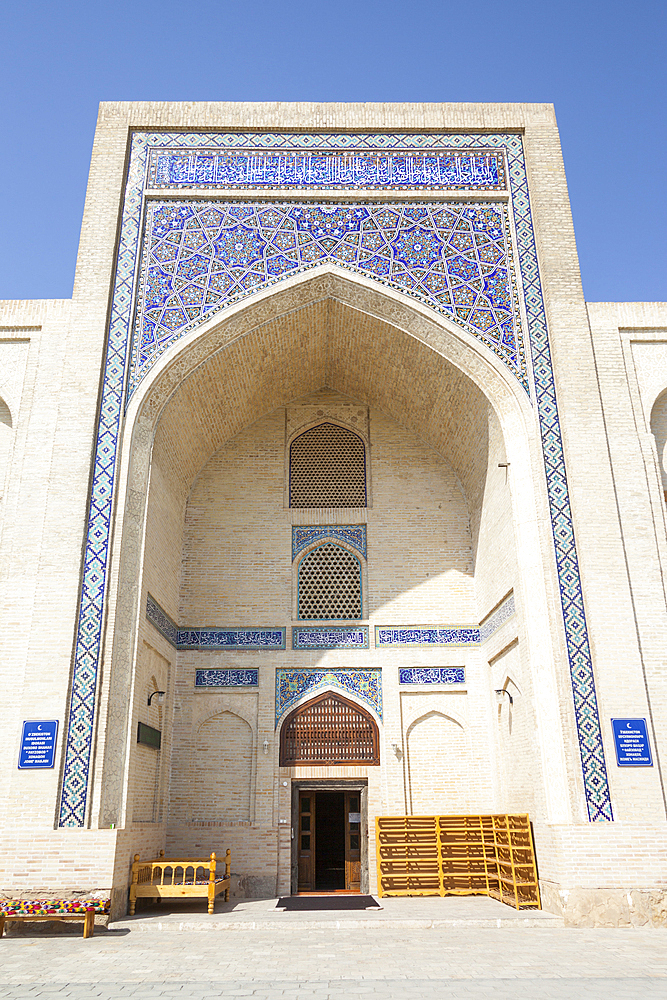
{"x": 326, "y": 343}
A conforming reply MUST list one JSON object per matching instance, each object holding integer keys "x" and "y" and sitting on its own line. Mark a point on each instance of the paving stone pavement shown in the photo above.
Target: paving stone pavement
{"x": 550, "y": 963}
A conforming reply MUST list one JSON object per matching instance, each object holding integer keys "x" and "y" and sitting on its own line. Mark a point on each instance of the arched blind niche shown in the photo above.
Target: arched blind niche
{"x": 329, "y": 729}
{"x": 327, "y": 468}
{"x": 329, "y": 584}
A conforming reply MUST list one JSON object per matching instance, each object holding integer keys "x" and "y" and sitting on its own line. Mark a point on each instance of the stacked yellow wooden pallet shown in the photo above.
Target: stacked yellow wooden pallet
{"x": 489, "y": 855}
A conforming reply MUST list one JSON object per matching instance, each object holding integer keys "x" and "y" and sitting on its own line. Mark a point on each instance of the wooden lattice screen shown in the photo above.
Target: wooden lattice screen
{"x": 327, "y": 468}
{"x": 329, "y": 730}
{"x": 491, "y": 855}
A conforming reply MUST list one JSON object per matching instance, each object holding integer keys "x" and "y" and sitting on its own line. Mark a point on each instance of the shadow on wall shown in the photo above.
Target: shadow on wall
{"x": 5, "y": 443}
{"x": 659, "y": 431}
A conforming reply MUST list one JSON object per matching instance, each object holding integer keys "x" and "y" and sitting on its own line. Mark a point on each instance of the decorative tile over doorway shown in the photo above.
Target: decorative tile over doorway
{"x": 292, "y": 684}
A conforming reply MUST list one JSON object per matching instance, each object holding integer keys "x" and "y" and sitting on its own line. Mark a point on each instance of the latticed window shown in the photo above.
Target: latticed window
{"x": 329, "y": 584}
{"x": 329, "y": 730}
{"x": 327, "y": 468}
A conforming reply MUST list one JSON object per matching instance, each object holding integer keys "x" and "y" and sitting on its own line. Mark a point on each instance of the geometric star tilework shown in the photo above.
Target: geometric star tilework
{"x": 200, "y": 256}
{"x": 88, "y": 640}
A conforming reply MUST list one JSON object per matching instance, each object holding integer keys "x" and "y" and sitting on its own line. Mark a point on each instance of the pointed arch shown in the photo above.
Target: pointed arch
{"x": 223, "y": 769}
{"x": 329, "y": 729}
{"x": 392, "y": 335}
{"x": 440, "y": 765}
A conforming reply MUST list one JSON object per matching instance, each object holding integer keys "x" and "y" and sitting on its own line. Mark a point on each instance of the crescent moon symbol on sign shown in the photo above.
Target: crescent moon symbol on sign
{"x": 629, "y": 725}
{"x": 39, "y": 728}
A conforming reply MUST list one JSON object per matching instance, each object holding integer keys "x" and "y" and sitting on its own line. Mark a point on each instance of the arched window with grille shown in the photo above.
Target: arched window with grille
{"x": 329, "y": 584}
{"x": 327, "y": 468}
{"x": 329, "y": 729}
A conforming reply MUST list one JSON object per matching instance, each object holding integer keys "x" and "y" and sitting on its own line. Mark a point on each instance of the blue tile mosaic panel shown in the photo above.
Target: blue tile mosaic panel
{"x": 231, "y": 638}
{"x": 201, "y": 255}
{"x": 226, "y": 678}
{"x": 81, "y": 711}
{"x": 353, "y": 534}
{"x": 432, "y": 675}
{"x": 473, "y": 170}
{"x": 293, "y": 684}
{"x": 497, "y": 619}
{"x": 329, "y": 637}
{"x": 212, "y": 638}
{"x": 403, "y": 635}
{"x": 158, "y": 617}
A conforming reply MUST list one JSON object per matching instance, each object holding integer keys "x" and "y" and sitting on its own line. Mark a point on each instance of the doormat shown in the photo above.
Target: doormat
{"x": 355, "y": 902}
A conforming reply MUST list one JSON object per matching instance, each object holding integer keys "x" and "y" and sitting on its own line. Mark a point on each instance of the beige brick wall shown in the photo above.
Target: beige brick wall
{"x": 235, "y": 568}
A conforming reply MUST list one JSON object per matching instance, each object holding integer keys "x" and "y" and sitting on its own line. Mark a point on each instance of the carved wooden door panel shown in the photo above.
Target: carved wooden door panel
{"x": 353, "y": 841}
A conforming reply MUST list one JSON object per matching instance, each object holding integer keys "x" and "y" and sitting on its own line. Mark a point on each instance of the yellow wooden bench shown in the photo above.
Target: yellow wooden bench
{"x": 173, "y": 878}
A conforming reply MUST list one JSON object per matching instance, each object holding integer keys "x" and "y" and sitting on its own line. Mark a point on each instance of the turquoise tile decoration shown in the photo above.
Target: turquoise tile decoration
{"x": 305, "y": 535}
{"x": 457, "y": 257}
{"x": 292, "y": 684}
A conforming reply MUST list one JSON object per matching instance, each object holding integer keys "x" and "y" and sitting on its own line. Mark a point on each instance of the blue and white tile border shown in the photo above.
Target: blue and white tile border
{"x": 446, "y": 170}
{"x": 432, "y": 675}
{"x": 402, "y": 636}
{"x": 313, "y": 637}
{"x": 505, "y": 610}
{"x": 215, "y": 637}
{"x": 214, "y": 678}
{"x": 88, "y": 639}
{"x": 231, "y": 638}
{"x": 160, "y": 620}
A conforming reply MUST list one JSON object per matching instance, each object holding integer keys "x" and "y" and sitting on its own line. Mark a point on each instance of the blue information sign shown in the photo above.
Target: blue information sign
{"x": 38, "y": 744}
{"x": 632, "y": 746}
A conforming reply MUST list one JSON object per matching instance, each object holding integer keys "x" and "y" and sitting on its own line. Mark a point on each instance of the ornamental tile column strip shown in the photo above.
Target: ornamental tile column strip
{"x": 591, "y": 748}
{"x": 88, "y": 642}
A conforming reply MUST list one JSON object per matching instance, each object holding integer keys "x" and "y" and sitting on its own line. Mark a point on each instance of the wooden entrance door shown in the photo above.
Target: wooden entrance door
{"x": 309, "y": 834}
{"x": 353, "y": 841}
{"x": 306, "y": 845}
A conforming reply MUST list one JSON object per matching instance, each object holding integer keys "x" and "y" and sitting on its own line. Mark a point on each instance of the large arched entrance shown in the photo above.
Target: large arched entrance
{"x": 447, "y": 544}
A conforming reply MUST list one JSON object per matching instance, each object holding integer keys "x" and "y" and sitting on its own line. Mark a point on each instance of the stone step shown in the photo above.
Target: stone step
{"x": 266, "y": 914}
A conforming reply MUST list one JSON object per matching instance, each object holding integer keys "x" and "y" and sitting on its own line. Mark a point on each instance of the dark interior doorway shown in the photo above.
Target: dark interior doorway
{"x": 330, "y": 840}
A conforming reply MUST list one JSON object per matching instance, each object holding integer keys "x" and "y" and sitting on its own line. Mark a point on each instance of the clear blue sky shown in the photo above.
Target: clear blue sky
{"x": 601, "y": 64}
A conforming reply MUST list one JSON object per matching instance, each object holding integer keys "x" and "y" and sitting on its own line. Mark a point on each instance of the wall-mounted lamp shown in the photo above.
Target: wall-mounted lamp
{"x": 499, "y": 695}
{"x": 265, "y": 747}
{"x": 397, "y": 750}
{"x": 160, "y": 697}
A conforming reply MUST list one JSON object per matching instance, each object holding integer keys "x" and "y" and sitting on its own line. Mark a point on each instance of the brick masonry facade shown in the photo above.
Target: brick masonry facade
{"x": 458, "y": 572}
